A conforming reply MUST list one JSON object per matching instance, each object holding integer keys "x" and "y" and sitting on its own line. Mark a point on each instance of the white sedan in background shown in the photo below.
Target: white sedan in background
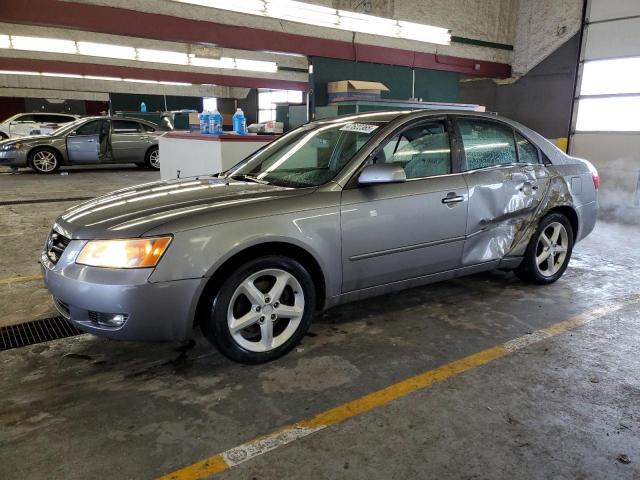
{"x": 24, "y": 124}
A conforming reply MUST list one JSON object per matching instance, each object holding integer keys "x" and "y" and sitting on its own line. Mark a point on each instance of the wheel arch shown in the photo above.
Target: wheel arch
{"x": 571, "y": 215}
{"x": 286, "y": 249}
{"x": 33, "y": 150}
{"x": 148, "y": 150}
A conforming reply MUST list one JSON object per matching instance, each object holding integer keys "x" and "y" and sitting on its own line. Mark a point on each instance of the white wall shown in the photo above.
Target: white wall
{"x": 541, "y": 27}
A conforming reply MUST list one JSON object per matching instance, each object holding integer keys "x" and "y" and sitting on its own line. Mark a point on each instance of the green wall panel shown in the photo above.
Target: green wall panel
{"x": 431, "y": 85}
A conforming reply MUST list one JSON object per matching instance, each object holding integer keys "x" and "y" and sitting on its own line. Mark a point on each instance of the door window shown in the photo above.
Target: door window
{"x": 24, "y": 119}
{"x": 94, "y": 127}
{"x": 527, "y": 152}
{"x": 421, "y": 150}
{"x": 125, "y": 126}
{"x": 487, "y": 143}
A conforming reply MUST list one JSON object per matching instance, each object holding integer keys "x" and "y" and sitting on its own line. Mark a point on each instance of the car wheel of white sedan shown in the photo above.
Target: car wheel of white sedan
{"x": 44, "y": 161}
{"x": 549, "y": 250}
{"x": 262, "y": 310}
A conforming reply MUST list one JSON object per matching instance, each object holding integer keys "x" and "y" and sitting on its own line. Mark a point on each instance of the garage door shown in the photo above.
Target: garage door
{"x": 606, "y": 121}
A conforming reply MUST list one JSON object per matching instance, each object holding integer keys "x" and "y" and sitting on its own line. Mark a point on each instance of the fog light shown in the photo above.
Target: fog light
{"x": 116, "y": 320}
{"x": 110, "y": 320}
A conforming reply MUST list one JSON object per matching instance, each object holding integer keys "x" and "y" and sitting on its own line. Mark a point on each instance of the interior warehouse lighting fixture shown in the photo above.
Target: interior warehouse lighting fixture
{"x": 106, "y": 50}
{"x": 95, "y": 77}
{"x": 331, "y": 18}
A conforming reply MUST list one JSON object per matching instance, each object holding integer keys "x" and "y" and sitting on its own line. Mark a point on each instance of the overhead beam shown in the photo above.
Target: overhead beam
{"x": 57, "y": 66}
{"x": 119, "y": 21}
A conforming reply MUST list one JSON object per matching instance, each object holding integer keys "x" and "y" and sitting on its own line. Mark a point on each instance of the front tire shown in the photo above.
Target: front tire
{"x": 152, "y": 158}
{"x": 45, "y": 161}
{"x": 549, "y": 251}
{"x": 262, "y": 310}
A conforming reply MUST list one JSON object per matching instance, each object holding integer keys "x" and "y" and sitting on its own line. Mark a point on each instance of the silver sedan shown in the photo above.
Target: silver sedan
{"x": 335, "y": 211}
{"x": 86, "y": 141}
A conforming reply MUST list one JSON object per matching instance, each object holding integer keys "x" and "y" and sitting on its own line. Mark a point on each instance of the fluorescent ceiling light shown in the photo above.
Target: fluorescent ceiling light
{"x": 17, "y": 72}
{"x": 224, "y": 62}
{"x": 348, "y": 16}
{"x": 181, "y": 84}
{"x": 327, "y": 17}
{"x": 5, "y": 42}
{"x": 98, "y": 77}
{"x": 255, "y": 7}
{"x": 162, "y": 56}
{"x": 40, "y": 44}
{"x": 62, "y": 75}
{"x": 256, "y": 65}
{"x": 106, "y": 50}
{"x": 139, "y": 80}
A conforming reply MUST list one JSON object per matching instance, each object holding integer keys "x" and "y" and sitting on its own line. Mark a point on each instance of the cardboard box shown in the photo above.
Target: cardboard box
{"x": 345, "y": 90}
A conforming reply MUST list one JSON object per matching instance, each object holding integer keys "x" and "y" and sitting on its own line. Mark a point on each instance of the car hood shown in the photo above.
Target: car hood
{"x": 26, "y": 138}
{"x": 176, "y": 205}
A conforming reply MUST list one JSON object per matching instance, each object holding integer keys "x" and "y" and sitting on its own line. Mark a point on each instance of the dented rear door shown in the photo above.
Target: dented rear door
{"x": 504, "y": 192}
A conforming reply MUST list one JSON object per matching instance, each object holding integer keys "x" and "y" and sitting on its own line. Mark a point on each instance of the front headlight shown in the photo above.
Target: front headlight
{"x": 12, "y": 146}
{"x": 126, "y": 253}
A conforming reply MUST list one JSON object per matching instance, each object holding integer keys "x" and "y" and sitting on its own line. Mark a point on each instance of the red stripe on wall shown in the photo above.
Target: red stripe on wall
{"x": 118, "y": 21}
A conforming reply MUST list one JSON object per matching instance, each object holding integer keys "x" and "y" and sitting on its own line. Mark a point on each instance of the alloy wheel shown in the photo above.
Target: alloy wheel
{"x": 154, "y": 158}
{"x": 45, "y": 161}
{"x": 551, "y": 249}
{"x": 266, "y": 310}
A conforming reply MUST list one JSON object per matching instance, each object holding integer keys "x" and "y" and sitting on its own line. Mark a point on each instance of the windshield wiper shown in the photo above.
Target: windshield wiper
{"x": 250, "y": 178}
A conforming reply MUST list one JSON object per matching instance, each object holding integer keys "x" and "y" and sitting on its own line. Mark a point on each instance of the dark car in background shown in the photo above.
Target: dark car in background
{"x": 92, "y": 140}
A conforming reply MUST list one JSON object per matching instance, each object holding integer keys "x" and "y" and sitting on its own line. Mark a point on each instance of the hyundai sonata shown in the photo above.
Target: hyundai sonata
{"x": 334, "y": 211}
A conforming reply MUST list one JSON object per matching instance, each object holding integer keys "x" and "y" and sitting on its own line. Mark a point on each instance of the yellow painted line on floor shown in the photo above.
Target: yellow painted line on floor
{"x": 20, "y": 279}
{"x": 283, "y": 436}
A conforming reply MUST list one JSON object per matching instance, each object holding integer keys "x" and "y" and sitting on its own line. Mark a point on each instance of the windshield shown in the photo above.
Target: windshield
{"x": 309, "y": 156}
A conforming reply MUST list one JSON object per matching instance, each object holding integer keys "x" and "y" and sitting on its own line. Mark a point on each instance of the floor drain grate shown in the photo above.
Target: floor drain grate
{"x": 37, "y": 331}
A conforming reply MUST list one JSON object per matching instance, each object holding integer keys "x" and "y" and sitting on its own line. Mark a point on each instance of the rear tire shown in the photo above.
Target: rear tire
{"x": 152, "y": 159}
{"x": 262, "y": 310}
{"x": 549, "y": 251}
{"x": 44, "y": 160}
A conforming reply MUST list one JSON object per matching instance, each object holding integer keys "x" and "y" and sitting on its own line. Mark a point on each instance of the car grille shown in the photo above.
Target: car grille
{"x": 56, "y": 245}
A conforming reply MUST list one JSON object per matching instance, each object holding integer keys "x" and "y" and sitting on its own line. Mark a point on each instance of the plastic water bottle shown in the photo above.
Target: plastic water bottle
{"x": 215, "y": 123}
{"x": 204, "y": 123}
{"x": 239, "y": 122}
{"x": 143, "y": 107}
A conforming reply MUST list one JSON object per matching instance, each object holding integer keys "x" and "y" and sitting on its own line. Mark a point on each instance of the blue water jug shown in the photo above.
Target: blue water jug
{"x": 143, "y": 107}
{"x": 215, "y": 123}
{"x": 204, "y": 123}
{"x": 239, "y": 122}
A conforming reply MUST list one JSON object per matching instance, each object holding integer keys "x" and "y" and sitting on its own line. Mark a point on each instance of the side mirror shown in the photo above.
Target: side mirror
{"x": 72, "y": 133}
{"x": 382, "y": 173}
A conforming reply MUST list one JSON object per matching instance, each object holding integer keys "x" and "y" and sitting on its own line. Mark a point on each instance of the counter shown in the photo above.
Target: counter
{"x": 186, "y": 154}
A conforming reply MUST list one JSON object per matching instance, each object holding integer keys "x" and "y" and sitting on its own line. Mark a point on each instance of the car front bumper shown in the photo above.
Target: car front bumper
{"x": 88, "y": 296}
{"x": 13, "y": 158}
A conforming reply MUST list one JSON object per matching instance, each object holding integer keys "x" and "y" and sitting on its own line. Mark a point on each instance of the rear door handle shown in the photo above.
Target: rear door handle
{"x": 452, "y": 198}
{"x": 529, "y": 187}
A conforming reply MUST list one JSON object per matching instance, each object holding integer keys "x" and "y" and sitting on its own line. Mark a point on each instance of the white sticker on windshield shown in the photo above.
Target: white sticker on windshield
{"x": 359, "y": 127}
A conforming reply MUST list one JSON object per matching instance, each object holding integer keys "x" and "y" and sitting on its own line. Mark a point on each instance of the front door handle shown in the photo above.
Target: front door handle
{"x": 452, "y": 198}
{"x": 91, "y": 140}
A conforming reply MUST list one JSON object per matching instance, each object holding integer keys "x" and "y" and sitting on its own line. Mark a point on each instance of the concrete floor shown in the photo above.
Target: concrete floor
{"x": 24, "y": 226}
{"x": 564, "y": 408}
